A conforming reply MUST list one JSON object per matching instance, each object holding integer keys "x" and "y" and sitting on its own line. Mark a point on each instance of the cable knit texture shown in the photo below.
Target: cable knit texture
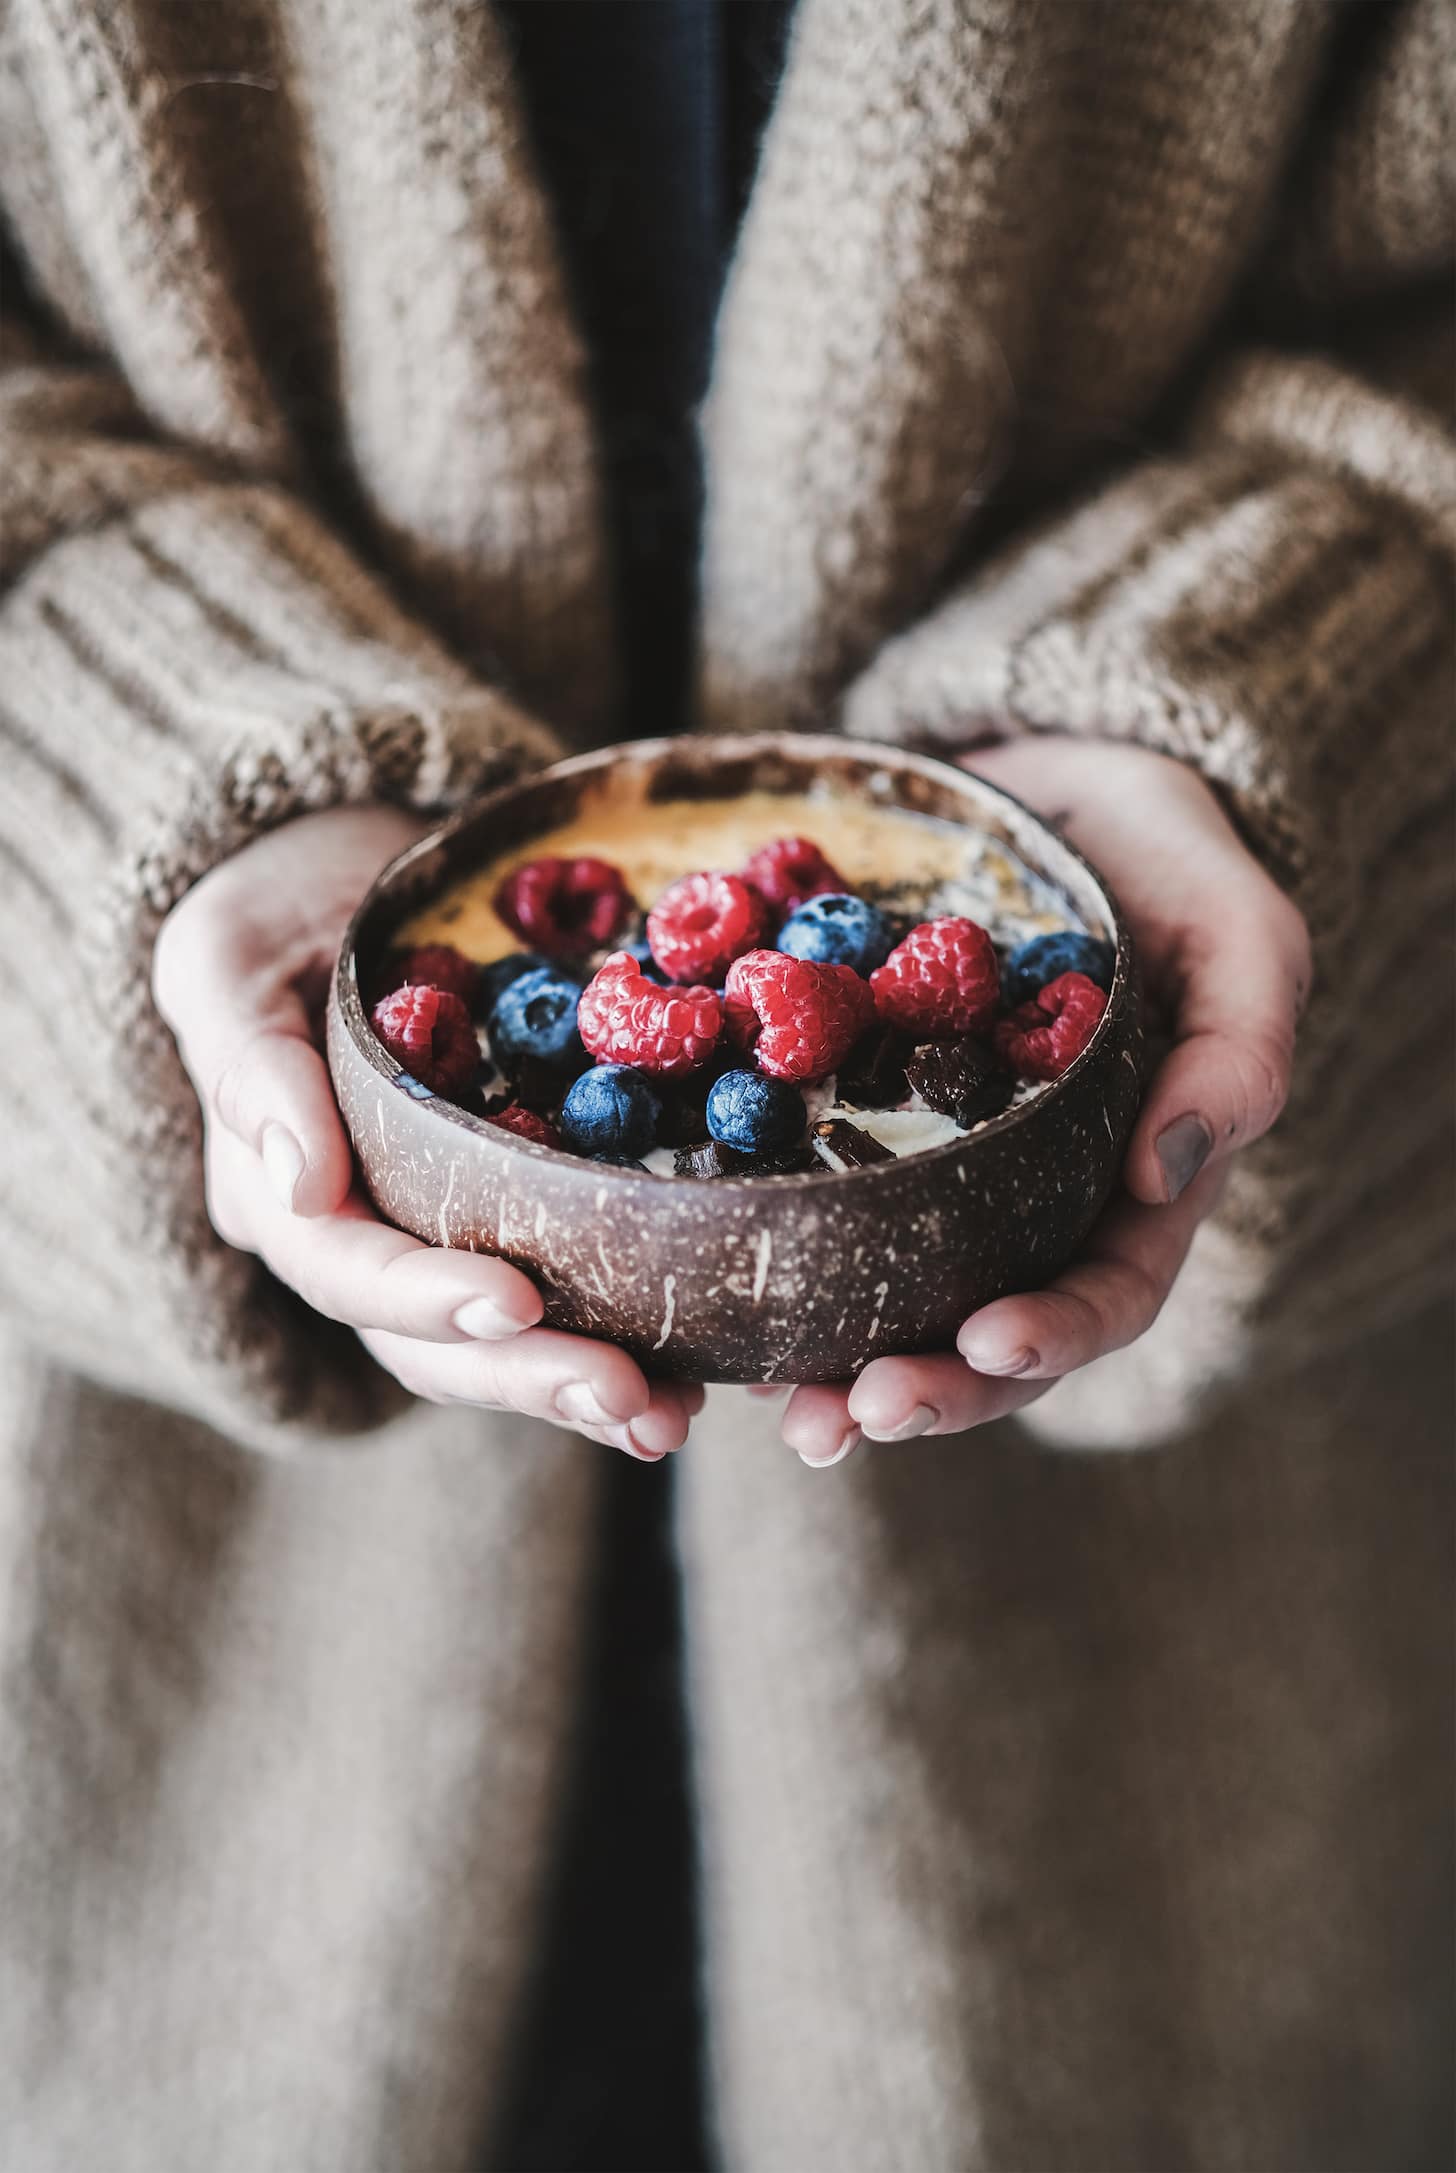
{"x": 1082, "y": 368}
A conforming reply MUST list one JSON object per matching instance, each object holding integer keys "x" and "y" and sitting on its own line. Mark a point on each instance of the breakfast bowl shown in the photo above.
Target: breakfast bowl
{"x": 797, "y": 1277}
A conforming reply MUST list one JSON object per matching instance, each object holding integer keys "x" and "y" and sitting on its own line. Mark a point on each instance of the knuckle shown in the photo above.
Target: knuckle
{"x": 1129, "y": 1301}
{"x": 396, "y": 1293}
{"x": 1264, "y": 1061}
{"x": 228, "y": 1095}
{"x": 1087, "y": 1320}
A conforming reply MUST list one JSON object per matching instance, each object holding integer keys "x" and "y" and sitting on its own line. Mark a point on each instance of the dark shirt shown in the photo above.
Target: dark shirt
{"x": 646, "y": 117}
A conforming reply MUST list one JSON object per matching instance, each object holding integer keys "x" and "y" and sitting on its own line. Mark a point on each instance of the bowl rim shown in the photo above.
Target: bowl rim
{"x": 874, "y": 753}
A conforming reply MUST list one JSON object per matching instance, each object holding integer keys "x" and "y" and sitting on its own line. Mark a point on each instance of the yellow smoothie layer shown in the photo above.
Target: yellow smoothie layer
{"x": 654, "y": 842}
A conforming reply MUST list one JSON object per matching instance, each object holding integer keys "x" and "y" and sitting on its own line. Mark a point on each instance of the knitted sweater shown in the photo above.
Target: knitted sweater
{"x": 1079, "y": 371}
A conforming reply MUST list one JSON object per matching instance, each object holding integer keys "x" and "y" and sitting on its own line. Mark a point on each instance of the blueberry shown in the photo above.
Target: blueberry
{"x": 749, "y": 1112}
{"x": 496, "y": 978}
{"x": 1045, "y": 957}
{"x": 837, "y": 930}
{"x": 536, "y": 1016}
{"x": 610, "y": 1112}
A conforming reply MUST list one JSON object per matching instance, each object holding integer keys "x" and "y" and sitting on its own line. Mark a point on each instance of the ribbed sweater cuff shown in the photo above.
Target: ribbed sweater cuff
{"x": 171, "y": 685}
{"x": 1275, "y": 608}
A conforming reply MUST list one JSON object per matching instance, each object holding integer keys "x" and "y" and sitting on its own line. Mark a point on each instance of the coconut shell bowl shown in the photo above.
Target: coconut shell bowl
{"x": 745, "y": 1278}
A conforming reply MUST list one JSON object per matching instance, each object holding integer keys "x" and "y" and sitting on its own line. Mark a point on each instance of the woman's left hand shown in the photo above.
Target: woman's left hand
{"x": 1227, "y": 956}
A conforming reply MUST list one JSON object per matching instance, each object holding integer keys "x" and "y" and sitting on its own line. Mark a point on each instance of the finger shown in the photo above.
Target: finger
{"x": 565, "y": 1380}
{"x": 1108, "y": 1298}
{"x": 896, "y": 1399}
{"x": 1238, "y": 991}
{"x": 356, "y": 1269}
{"x": 817, "y": 1424}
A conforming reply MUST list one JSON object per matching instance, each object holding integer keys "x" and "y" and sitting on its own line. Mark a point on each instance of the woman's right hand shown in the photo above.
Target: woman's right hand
{"x": 240, "y": 974}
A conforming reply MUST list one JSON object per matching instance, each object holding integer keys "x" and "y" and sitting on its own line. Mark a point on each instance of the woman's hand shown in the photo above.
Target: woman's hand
{"x": 240, "y": 974}
{"x": 1226, "y": 957}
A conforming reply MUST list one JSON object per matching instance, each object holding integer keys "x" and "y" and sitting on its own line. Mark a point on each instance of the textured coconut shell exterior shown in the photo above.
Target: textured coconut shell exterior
{"x": 803, "y": 1278}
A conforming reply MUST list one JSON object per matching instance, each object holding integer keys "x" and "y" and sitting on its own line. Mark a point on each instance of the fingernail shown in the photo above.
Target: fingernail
{"x": 641, "y": 1450}
{"x": 282, "y": 1161}
{"x": 1183, "y": 1148}
{"x": 921, "y": 1419}
{"x": 822, "y": 1463}
{"x": 1004, "y": 1364}
{"x": 487, "y": 1322}
{"x": 577, "y": 1403}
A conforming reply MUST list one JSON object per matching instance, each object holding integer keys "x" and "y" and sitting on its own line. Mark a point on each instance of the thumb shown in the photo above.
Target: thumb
{"x": 273, "y": 1092}
{"x": 1226, "y": 1078}
{"x": 247, "y": 1043}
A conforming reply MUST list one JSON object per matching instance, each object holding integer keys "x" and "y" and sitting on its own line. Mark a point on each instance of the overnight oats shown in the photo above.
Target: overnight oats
{"x": 764, "y": 986}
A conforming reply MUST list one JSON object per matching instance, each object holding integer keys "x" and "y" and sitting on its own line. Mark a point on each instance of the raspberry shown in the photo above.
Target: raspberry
{"x": 438, "y": 965}
{"x": 627, "y": 1019}
{"x": 526, "y": 1125}
{"x": 428, "y": 1033}
{"x": 941, "y": 980}
{"x": 790, "y": 870}
{"x": 701, "y": 924}
{"x": 800, "y": 1019}
{"x": 564, "y": 905}
{"x": 1040, "y": 1040}
{"x": 1038, "y": 962}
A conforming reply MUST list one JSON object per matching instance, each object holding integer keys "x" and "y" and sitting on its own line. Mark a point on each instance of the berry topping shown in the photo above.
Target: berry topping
{"x": 962, "y": 1079}
{"x": 564, "y": 905}
{"x": 941, "y": 980}
{"x": 497, "y": 977}
{"x": 701, "y": 924}
{"x": 1040, "y": 1040}
{"x": 1044, "y": 958}
{"x": 752, "y": 1113}
{"x": 799, "y": 1019}
{"x": 437, "y": 965}
{"x": 610, "y": 1113}
{"x": 641, "y": 950}
{"x": 526, "y": 1125}
{"x": 537, "y": 1017}
{"x": 428, "y": 1033}
{"x": 790, "y": 870}
{"x": 838, "y": 930}
{"x": 630, "y": 1020}
{"x": 844, "y": 1146}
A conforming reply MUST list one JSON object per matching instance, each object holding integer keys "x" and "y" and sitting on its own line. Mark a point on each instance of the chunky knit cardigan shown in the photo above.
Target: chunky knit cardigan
{"x": 1081, "y": 370}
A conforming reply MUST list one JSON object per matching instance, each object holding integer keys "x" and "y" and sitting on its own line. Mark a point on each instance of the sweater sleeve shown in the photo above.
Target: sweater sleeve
{"x": 186, "y": 660}
{"x": 1274, "y": 605}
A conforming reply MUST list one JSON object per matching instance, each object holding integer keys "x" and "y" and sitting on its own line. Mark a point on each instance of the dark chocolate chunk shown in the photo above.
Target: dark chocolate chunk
{"x": 776, "y": 1161}
{"x": 710, "y": 1158}
{"x": 873, "y": 1073}
{"x": 961, "y": 1079}
{"x": 843, "y": 1145}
